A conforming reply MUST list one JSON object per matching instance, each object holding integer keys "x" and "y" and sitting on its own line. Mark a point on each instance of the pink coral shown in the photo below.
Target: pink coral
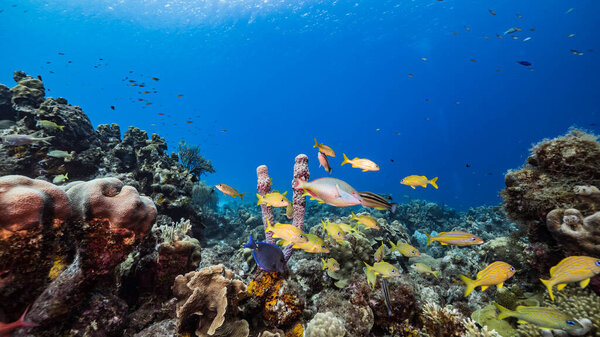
{"x": 264, "y": 186}
{"x": 107, "y": 198}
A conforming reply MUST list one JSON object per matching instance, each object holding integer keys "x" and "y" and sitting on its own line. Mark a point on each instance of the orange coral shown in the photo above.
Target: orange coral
{"x": 296, "y": 331}
{"x": 262, "y": 284}
{"x": 281, "y": 305}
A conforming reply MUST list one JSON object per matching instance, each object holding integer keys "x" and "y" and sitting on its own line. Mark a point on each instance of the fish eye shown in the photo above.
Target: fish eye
{"x": 512, "y": 268}
{"x": 571, "y": 323}
{"x": 301, "y": 236}
{"x": 393, "y": 271}
{"x": 324, "y": 247}
{"x": 598, "y": 263}
{"x": 473, "y": 239}
{"x": 339, "y": 233}
{"x": 413, "y": 252}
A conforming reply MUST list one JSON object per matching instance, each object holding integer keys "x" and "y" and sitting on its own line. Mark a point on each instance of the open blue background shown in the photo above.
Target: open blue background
{"x": 276, "y": 74}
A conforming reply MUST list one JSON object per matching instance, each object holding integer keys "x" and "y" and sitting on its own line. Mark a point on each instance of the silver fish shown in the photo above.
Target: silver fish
{"x": 386, "y": 295}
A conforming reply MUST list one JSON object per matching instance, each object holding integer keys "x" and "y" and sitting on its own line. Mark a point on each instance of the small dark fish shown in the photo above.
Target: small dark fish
{"x": 223, "y": 130}
{"x": 146, "y": 92}
{"x": 1, "y": 10}
{"x": 179, "y": 95}
{"x": 524, "y": 63}
{"x": 427, "y": 99}
{"x": 519, "y": 16}
{"x": 386, "y": 295}
{"x": 101, "y": 59}
{"x": 155, "y": 78}
{"x": 593, "y": 124}
{"x": 51, "y": 72}
{"x": 473, "y": 60}
{"x": 141, "y": 85}
{"x": 468, "y": 29}
{"x": 189, "y": 122}
{"x": 268, "y": 256}
{"x": 131, "y": 81}
{"x": 70, "y": 62}
{"x": 576, "y": 52}
{"x": 410, "y": 75}
{"x": 161, "y": 114}
{"x": 148, "y": 103}
{"x": 48, "y": 62}
{"x": 468, "y": 165}
{"x": 140, "y": 99}
{"x": 491, "y": 12}
{"x": 61, "y": 53}
{"x": 39, "y": 77}
{"x": 370, "y": 199}
{"x": 392, "y": 160}
{"x": 490, "y": 173}
{"x": 112, "y": 107}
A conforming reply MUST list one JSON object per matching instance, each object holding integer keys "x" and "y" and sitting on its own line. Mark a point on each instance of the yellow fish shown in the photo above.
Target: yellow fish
{"x": 544, "y": 317}
{"x": 422, "y": 268}
{"x": 286, "y": 232}
{"x": 347, "y": 228}
{"x": 457, "y": 238}
{"x": 494, "y": 274}
{"x": 405, "y": 249}
{"x": 324, "y": 148}
{"x": 314, "y": 244}
{"x": 379, "y": 253}
{"x": 572, "y": 269}
{"x": 226, "y": 189}
{"x": 330, "y": 264}
{"x": 60, "y": 178}
{"x": 49, "y": 125}
{"x": 371, "y": 277}
{"x": 334, "y": 231}
{"x": 289, "y": 211}
{"x": 416, "y": 180}
{"x": 274, "y": 199}
{"x": 383, "y": 268}
{"x": 366, "y": 220}
{"x": 363, "y": 163}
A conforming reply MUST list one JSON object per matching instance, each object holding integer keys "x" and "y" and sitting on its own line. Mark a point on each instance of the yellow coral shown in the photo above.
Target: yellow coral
{"x": 57, "y": 268}
{"x": 296, "y": 331}
{"x": 261, "y": 285}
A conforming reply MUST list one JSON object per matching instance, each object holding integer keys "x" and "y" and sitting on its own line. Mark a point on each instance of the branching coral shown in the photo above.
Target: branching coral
{"x": 208, "y": 302}
{"x": 192, "y": 160}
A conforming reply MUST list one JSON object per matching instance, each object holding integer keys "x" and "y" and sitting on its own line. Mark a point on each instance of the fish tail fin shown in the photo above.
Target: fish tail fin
{"x": 346, "y": 160}
{"x": 298, "y": 183}
{"x": 251, "y": 244}
{"x": 23, "y": 323}
{"x": 46, "y": 139}
{"x": 369, "y": 268}
{"x": 429, "y": 238}
{"x": 548, "y": 285}
{"x": 504, "y": 312}
{"x": 432, "y": 182}
{"x": 436, "y": 273}
{"x": 316, "y": 144}
{"x": 268, "y": 228}
{"x": 394, "y": 208}
{"x": 260, "y": 199}
{"x": 355, "y": 228}
{"x": 323, "y": 263}
{"x": 470, "y": 284}
{"x": 242, "y": 196}
{"x": 353, "y": 217}
{"x": 394, "y": 247}
{"x": 61, "y": 127}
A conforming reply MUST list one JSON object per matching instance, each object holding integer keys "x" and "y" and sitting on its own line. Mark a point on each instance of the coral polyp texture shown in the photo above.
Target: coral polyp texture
{"x": 551, "y": 179}
{"x": 207, "y": 303}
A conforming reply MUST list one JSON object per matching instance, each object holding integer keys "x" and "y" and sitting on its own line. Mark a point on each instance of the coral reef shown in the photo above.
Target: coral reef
{"x": 280, "y": 302}
{"x": 325, "y": 325}
{"x": 208, "y": 303}
{"x": 549, "y": 180}
{"x": 575, "y": 234}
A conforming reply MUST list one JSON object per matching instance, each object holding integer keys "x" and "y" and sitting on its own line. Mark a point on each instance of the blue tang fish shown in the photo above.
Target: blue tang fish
{"x": 268, "y": 256}
{"x": 524, "y": 63}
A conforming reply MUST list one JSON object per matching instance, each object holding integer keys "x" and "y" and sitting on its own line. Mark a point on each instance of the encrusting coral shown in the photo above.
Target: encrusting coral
{"x": 208, "y": 301}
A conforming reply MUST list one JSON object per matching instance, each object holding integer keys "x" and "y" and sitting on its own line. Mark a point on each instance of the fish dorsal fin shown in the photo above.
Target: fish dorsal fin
{"x": 552, "y": 271}
{"x": 500, "y": 285}
{"x": 520, "y": 308}
{"x": 284, "y": 193}
{"x": 584, "y": 283}
{"x": 561, "y": 286}
{"x": 484, "y": 288}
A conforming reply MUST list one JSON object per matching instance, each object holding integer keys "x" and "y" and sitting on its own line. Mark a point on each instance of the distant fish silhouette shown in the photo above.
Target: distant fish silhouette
{"x": 524, "y": 63}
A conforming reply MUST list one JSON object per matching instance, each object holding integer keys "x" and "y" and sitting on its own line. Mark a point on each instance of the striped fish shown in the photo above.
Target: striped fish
{"x": 371, "y": 277}
{"x": 572, "y": 269}
{"x": 544, "y": 318}
{"x": 365, "y": 164}
{"x": 286, "y": 232}
{"x": 457, "y": 238}
{"x": 314, "y": 244}
{"x": 386, "y": 295}
{"x": 334, "y": 231}
{"x": 376, "y": 201}
{"x": 366, "y": 220}
{"x": 379, "y": 253}
{"x": 416, "y": 180}
{"x": 405, "y": 249}
{"x": 494, "y": 274}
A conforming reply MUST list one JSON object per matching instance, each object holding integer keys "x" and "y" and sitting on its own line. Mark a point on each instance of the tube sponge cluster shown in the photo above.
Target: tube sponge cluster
{"x": 325, "y": 325}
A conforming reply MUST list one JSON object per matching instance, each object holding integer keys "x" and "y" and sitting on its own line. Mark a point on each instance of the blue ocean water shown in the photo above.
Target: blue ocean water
{"x": 416, "y": 82}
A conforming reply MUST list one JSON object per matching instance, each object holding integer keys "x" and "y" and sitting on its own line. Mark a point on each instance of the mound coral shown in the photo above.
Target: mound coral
{"x": 574, "y": 233}
{"x": 350, "y": 254}
{"x": 554, "y": 170}
{"x": 208, "y": 303}
{"x": 325, "y": 325}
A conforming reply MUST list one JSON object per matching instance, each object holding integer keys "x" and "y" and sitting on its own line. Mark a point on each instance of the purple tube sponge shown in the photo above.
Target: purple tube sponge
{"x": 299, "y": 202}
{"x": 264, "y": 186}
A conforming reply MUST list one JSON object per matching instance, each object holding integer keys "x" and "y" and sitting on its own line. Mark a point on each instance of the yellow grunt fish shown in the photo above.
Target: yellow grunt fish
{"x": 422, "y": 268}
{"x": 494, "y": 274}
{"x": 542, "y": 317}
{"x": 405, "y": 249}
{"x": 314, "y": 244}
{"x": 379, "y": 253}
{"x": 49, "y": 125}
{"x": 383, "y": 268}
{"x": 347, "y": 228}
{"x": 324, "y": 149}
{"x": 365, "y": 164}
{"x": 59, "y": 179}
{"x": 457, "y": 238}
{"x": 274, "y": 199}
{"x": 286, "y": 232}
{"x": 226, "y": 189}
{"x": 416, "y": 180}
{"x": 289, "y": 211}
{"x": 330, "y": 264}
{"x": 371, "y": 277}
{"x": 366, "y": 220}
{"x": 572, "y": 269}
{"x": 334, "y": 231}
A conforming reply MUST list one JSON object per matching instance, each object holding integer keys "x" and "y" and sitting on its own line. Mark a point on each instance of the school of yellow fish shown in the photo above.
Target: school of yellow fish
{"x": 573, "y": 269}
